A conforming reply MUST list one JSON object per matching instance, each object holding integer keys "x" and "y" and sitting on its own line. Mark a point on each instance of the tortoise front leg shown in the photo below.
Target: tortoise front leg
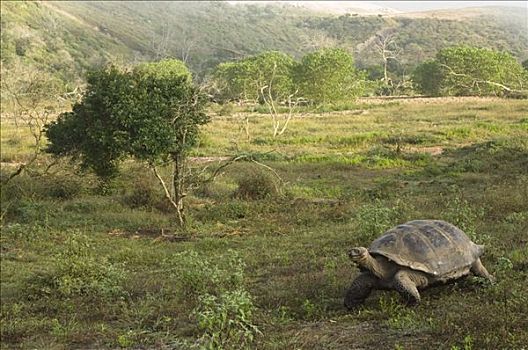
{"x": 360, "y": 289}
{"x": 406, "y": 282}
{"x": 479, "y": 270}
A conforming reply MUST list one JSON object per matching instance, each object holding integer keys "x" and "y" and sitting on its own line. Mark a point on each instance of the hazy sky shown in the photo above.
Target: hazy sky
{"x": 435, "y": 5}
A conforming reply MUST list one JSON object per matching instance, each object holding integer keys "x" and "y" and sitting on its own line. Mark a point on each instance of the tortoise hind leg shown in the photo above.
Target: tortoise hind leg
{"x": 479, "y": 270}
{"x": 406, "y": 282}
{"x": 360, "y": 289}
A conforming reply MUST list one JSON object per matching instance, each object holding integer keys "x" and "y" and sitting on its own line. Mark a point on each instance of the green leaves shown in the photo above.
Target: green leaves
{"x": 165, "y": 69}
{"x": 150, "y": 113}
{"x": 428, "y": 78}
{"x": 465, "y": 70}
{"x": 245, "y": 78}
{"x": 329, "y": 75}
{"x": 324, "y": 76}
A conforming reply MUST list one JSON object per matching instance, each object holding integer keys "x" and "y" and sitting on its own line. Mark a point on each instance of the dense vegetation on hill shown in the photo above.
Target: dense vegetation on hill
{"x": 66, "y": 38}
{"x": 421, "y": 38}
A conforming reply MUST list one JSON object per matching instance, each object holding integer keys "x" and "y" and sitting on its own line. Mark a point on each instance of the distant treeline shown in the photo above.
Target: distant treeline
{"x": 66, "y": 39}
{"x": 329, "y": 75}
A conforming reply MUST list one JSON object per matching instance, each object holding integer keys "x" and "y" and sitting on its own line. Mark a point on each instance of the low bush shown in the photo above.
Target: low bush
{"x": 65, "y": 186}
{"x": 223, "y": 308}
{"x": 197, "y": 275}
{"x": 226, "y": 320}
{"x": 77, "y": 272}
{"x": 256, "y": 183}
{"x": 142, "y": 195}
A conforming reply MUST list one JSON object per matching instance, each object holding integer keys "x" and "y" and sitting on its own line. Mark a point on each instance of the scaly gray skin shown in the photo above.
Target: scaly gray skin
{"x": 379, "y": 273}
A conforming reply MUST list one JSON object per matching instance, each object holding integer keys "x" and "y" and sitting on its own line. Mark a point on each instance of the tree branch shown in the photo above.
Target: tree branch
{"x": 476, "y": 81}
{"x": 165, "y": 189}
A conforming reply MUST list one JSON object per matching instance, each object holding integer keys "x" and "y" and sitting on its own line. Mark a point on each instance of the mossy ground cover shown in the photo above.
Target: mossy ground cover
{"x": 83, "y": 270}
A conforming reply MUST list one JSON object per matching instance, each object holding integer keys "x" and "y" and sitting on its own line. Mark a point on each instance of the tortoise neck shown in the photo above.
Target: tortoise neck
{"x": 371, "y": 264}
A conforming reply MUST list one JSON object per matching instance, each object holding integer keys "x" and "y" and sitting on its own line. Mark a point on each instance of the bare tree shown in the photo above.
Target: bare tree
{"x": 279, "y": 124}
{"x": 31, "y": 98}
{"x": 387, "y": 48}
{"x": 160, "y": 41}
{"x": 187, "y": 44}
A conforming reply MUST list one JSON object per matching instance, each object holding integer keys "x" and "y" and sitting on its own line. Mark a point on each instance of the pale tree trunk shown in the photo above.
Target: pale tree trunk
{"x": 276, "y": 122}
{"x": 178, "y": 183}
{"x": 176, "y": 194}
{"x": 270, "y": 101}
{"x": 386, "y": 46}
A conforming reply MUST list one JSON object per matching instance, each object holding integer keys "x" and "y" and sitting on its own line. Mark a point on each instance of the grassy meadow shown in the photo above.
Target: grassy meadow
{"x": 263, "y": 264}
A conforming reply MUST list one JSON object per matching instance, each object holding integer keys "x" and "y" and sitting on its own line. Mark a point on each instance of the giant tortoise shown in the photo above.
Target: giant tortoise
{"x": 413, "y": 256}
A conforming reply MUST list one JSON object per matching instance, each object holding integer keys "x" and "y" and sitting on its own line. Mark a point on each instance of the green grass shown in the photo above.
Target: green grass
{"x": 82, "y": 270}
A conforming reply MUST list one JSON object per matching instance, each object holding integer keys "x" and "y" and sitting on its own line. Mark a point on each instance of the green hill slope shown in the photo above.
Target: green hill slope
{"x": 66, "y": 38}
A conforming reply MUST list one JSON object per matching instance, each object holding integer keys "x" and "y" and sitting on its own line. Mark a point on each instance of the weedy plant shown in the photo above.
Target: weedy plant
{"x": 467, "y": 345}
{"x": 224, "y": 308}
{"x": 257, "y": 183}
{"x": 226, "y": 320}
{"x": 461, "y": 214}
{"x": 197, "y": 275}
{"x": 375, "y": 218}
{"x": 76, "y": 271}
{"x": 399, "y": 316}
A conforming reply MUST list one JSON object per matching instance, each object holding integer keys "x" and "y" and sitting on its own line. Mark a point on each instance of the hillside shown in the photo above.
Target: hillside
{"x": 66, "y": 38}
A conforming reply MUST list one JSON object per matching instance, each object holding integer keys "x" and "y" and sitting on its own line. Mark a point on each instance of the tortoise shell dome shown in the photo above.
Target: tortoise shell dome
{"x": 432, "y": 246}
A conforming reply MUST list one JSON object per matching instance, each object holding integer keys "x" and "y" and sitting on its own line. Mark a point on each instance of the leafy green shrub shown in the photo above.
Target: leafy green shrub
{"x": 197, "y": 275}
{"x": 76, "y": 271}
{"x": 61, "y": 186}
{"x": 328, "y": 76}
{"x": 55, "y": 186}
{"x": 248, "y": 77}
{"x": 226, "y": 320}
{"x": 453, "y": 72}
{"x": 142, "y": 195}
{"x": 373, "y": 219}
{"x": 223, "y": 308}
{"x": 254, "y": 183}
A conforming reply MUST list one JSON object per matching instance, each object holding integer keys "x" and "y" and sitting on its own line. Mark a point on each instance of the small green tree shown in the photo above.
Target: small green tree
{"x": 329, "y": 75}
{"x": 229, "y": 81}
{"x": 245, "y": 78}
{"x": 151, "y": 113}
{"x": 265, "y": 78}
{"x": 465, "y": 70}
{"x": 427, "y": 78}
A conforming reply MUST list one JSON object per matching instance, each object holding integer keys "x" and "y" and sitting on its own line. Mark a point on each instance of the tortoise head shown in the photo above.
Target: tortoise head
{"x": 358, "y": 254}
{"x": 365, "y": 261}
